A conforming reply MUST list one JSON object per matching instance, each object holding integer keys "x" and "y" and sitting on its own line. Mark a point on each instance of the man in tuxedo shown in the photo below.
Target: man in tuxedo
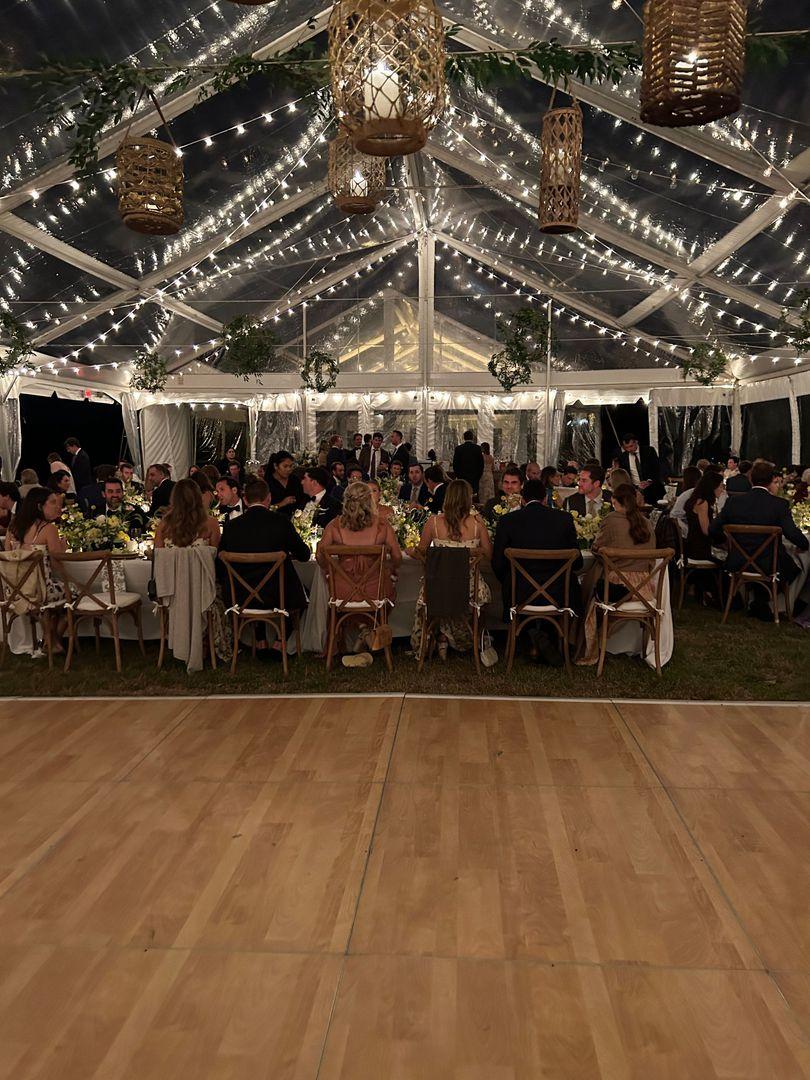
{"x": 326, "y": 507}
{"x": 589, "y": 500}
{"x": 229, "y": 498}
{"x": 79, "y": 464}
{"x": 643, "y": 467}
{"x": 468, "y": 461}
{"x": 415, "y": 490}
{"x": 113, "y": 506}
{"x": 761, "y": 506}
{"x": 400, "y": 453}
{"x": 537, "y": 527}
{"x": 127, "y": 473}
{"x": 162, "y": 485}
{"x": 741, "y": 481}
{"x": 434, "y": 478}
{"x": 373, "y": 459}
{"x": 337, "y": 481}
{"x": 511, "y": 486}
{"x": 356, "y": 449}
{"x": 260, "y": 529}
{"x": 336, "y": 451}
{"x": 91, "y": 497}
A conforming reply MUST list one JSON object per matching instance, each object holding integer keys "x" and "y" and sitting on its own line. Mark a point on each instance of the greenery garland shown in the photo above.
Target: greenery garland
{"x": 19, "y": 348}
{"x": 512, "y": 366}
{"x": 706, "y": 364}
{"x": 320, "y": 370}
{"x": 149, "y": 372}
{"x": 248, "y": 348}
{"x": 798, "y": 336}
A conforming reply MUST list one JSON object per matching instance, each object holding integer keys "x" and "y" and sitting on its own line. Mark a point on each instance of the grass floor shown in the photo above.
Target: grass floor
{"x": 745, "y": 660}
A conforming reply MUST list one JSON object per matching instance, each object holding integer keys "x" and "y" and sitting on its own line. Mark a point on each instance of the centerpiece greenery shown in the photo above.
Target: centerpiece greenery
{"x": 19, "y": 348}
{"x": 797, "y": 333}
{"x": 93, "y": 534}
{"x": 706, "y": 364}
{"x": 320, "y": 370}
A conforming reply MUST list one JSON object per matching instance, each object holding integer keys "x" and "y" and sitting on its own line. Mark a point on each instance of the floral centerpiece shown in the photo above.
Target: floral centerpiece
{"x": 93, "y": 534}
{"x": 505, "y": 505}
{"x": 407, "y": 523}
{"x": 587, "y": 528}
{"x": 306, "y": 459}
{"x": 135, "y": 500}
{"x": 801, "y": 515}
{"x": 389, "y": 490}
{"x": 304, "y": 525}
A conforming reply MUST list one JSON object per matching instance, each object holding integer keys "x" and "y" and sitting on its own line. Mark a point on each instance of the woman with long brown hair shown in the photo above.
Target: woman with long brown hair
{"x": 187, "y": 522}
{"x": 33, "y": 528}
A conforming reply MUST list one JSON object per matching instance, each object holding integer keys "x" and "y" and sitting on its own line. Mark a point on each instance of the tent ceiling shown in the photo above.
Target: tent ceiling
{"x": 687, "y": 235}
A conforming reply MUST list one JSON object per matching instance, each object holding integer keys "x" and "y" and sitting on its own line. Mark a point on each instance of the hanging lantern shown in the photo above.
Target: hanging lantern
{"x": 386, "y": 59}
{"x": 251, "y": 3}
{"x": 560, "y": 167}
{"x": 356, "y": 181}
{"x": 694, "y": 60}
{"x": 150, "y": 186}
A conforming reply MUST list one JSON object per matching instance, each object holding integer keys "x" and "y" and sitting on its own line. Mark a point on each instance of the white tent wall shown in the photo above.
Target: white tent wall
{"x": 790, "y": 387}
{"x": 10, "y": 425}
{"x": 166, "y": 436}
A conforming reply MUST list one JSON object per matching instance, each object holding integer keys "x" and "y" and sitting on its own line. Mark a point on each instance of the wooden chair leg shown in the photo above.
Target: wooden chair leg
{"x": 775, "y": 601}
{"x": 683, "y": 588}
{"x": 163, "y": 636}
{"x": 116, "y": 642}
{"x": 137, "y": 615}
{"x": 732, "y": 591}
{"x": 71, "y": 631}
{"x": 603, "y": 644}
{"x": 331, "y": 638}
{"x": 567, "y": 643}
{"x": 282, "y": 633}
{"x": 511, "y": 644}
{"x": 235, "y": 643}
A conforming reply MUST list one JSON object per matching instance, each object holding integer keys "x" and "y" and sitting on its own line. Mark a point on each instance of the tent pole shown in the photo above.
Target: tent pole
{"x": 546, "y": 432}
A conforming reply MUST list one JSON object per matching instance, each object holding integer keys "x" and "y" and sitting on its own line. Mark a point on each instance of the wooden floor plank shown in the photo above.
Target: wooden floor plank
{"x": 752, "y": 747}
{"x": 240, "y": 866}
{"x": 134, "y": 1014}
{"x": 588, "y": 874}
{"x": 514, "y": 742}
{"x": 341, "y": 739}
{"x": 440, "y": 1019}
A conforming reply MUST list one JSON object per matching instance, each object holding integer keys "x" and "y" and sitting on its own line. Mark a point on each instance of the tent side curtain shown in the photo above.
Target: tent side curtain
{"x": 10, "y": 426}
{"x": 166, "y": 436}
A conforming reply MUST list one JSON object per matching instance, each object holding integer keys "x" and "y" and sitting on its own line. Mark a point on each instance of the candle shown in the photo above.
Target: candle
{"x": 358, "y": 185}
{"x": 381, "y": 93}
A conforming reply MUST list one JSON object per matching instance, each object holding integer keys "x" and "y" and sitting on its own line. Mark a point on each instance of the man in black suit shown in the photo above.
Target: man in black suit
{"x": 79, "y": 464}
{"x": 589, "y": 500}
{"x": 356, "y": 449}
{"x": 229, "y": 497}
{"x": 540, "y": 528}
{"x": 91, "y": 497}
{"x": 113, "y": 506}
{"x": 415, "y": 490}
{"x": 373, "y": 460}
{"x": 337, "y": 481}
{"x": 644, "y": 468}
{"x": 434, "y": 478}
{"x": 260, "y": 529}
{"x": 761, "y": 506}
{"x": 511, "y": 486}
{"x": 127, "y": 473}
{"x": 336, "y": 451}
{"x": 741, "y": 481}
{"x": 400, "y": 453}
{"x": 468, "y": 461}
{"x": 158, "y": 476}
{"x": 326, "y": 507}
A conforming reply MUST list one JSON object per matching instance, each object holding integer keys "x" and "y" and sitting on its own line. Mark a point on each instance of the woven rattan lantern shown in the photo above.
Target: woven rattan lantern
{"x": 560, "y": 166}
{"x": 150, "y": 186}
{"x": 694, "y": 60}
{"x": 357, "y": 181}
{"x": 386, "y": 61}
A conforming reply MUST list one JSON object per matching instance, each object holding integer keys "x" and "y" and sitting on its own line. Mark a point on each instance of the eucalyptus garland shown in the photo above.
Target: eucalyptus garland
{"x": 798, "y": 335}
{"x": 525, "y": 338}
{"x": 320, "y": 370}
{"x": 248, "y": 350}
{"x": 19, "y": 347}
{"x": 149, "y": 372}
{"x": 706, "y": 364}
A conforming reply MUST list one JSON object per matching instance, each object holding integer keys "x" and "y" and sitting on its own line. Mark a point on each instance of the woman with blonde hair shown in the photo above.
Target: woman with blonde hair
{"x": 187, "y": 522}
{"x": 618, "y": 477}
{"x": 456, "y": 526}
{"x": 382, "y": 511}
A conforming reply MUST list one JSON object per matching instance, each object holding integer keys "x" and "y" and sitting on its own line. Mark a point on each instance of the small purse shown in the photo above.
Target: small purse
{"x": 151, "y": 585}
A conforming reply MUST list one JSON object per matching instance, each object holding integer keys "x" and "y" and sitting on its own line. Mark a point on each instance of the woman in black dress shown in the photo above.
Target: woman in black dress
{"x": 699, "y": 512}
{"x": 286, "y": 493}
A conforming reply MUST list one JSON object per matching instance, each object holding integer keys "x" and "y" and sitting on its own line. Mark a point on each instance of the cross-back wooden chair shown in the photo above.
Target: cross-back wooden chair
{"x": 540, "y": 605}
{"x": 635, "y": 607}
{"x": 367, "y": 599}
{"x": 23, "y": 595}
{"x": 473, "y": 611}
{"x": 760, "y": 564}
{"x": 251, "y": 608}
{"x": 686, "y": 567}
{"x": 104, "y": 605}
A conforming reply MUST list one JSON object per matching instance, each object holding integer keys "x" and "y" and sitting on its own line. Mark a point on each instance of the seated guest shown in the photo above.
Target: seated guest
{"x": 29, "y": 480}
{"x": 732, "y": 467}
{"x": 691, "y": 475}
{"x": 229, "y": 497}
{"x": 689, "y": 481}
{"x": 206, "y": 489}
{"x": 229, "y": 459}
{"x": 532, "y": 471}
{"x": 702, "y": 464}
{"x": 186, "y": 521}
{"x": 434, "y": 478}
{"x": 354, "y": 474}
{"x": 742, "y": 480}
{"x": 570, "y": 476}
{"x": 618, "y": 477}
{"x": 415, "y": 490}
{"x": 56, "y": 464}
{"x": 643, "y": 467}
{"x": 699, "y": 512}
{"x": 395, "y": 471}
{"x": 326, "y": 508}
{"x": 588, "y": 501}
{"x": 212, "y": 473}
{"x": 133, "y": 520}
{"x": 761, "y": 506}
{"x": 236, "y": 472}
{"x": 335, "y": 452}
{"x": 550, "y": 479}
{"x": 91, "y": 498}
{"x": 257, "y": 530}
{"x": 382, "y": 511}
{"x": 509, "y": 495}
{"x": 161, "y": 485}
{"x": 286, "y": 493}
{"x": 539, "y": 528}
{"x": 337, "y": 480}
{"x": 9, "y": 500}
{"x": 126, "y": 471}
{"x": 59, "y": 483}
{"x": 34, "y": 527}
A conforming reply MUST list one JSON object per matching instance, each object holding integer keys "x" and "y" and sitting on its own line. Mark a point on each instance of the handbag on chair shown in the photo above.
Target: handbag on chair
{"x": 381, "y": 634}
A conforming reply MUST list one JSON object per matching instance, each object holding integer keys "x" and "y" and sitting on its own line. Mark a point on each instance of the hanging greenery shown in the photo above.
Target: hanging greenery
{"x": 320, "y": 370}
{"x": 797, "y": 334}
{"x": 706, "y": 364}
{"x": 149, "y": 372}
{"x": 19, "y": 347}
{"x": 248, "y": 348}
{"x": 525, "y": 337}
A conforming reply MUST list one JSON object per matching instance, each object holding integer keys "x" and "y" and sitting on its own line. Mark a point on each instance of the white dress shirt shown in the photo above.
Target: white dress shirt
{"x": 633, "y": 462}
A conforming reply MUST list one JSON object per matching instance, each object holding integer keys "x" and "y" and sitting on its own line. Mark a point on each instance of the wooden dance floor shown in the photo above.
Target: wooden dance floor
{"x": 389, "y": 888}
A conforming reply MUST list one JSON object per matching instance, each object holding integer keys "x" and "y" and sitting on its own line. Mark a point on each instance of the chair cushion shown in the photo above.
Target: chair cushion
{"x": 356, "y": 604}
{"x": 122, "y": 599}
{"x": 539, "y": 609}
{"x": 751, "y": 576}
{"x": 701, "y": 563}
{"x": 632, "y": 605}
{"x": 261, "y": 611}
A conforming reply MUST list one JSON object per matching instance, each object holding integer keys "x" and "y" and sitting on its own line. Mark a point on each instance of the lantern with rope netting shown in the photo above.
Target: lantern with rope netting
{"x": 386, "y": 61}
{"x": 694, "y": 60}
{"x": 356, "y": 181}
{"x": 560, "y": 169}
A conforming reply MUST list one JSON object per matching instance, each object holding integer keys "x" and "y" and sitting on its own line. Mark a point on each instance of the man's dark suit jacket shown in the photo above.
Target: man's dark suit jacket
{"x": 336, "y": 453}
{"x": 737, "y": 484}
{"x": 435, "y": 501}
{"x": 468, "y": 464}
{"x": 759, "y": 507}
{"x": 91, "y": 499}
{"x": 327, "y": 511}
{"x": 538, "y": 527}
{"x": 262, "y": 530}
{"x": 405, "y": 493}
{"x": 80, "y": 467}
{"x": 401, "y": 455}
{"x": 161, "y": 496}
{"x": 577, "y": 502}
{"x": 649, "y": 468}
{"x": 364, "y": 460}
